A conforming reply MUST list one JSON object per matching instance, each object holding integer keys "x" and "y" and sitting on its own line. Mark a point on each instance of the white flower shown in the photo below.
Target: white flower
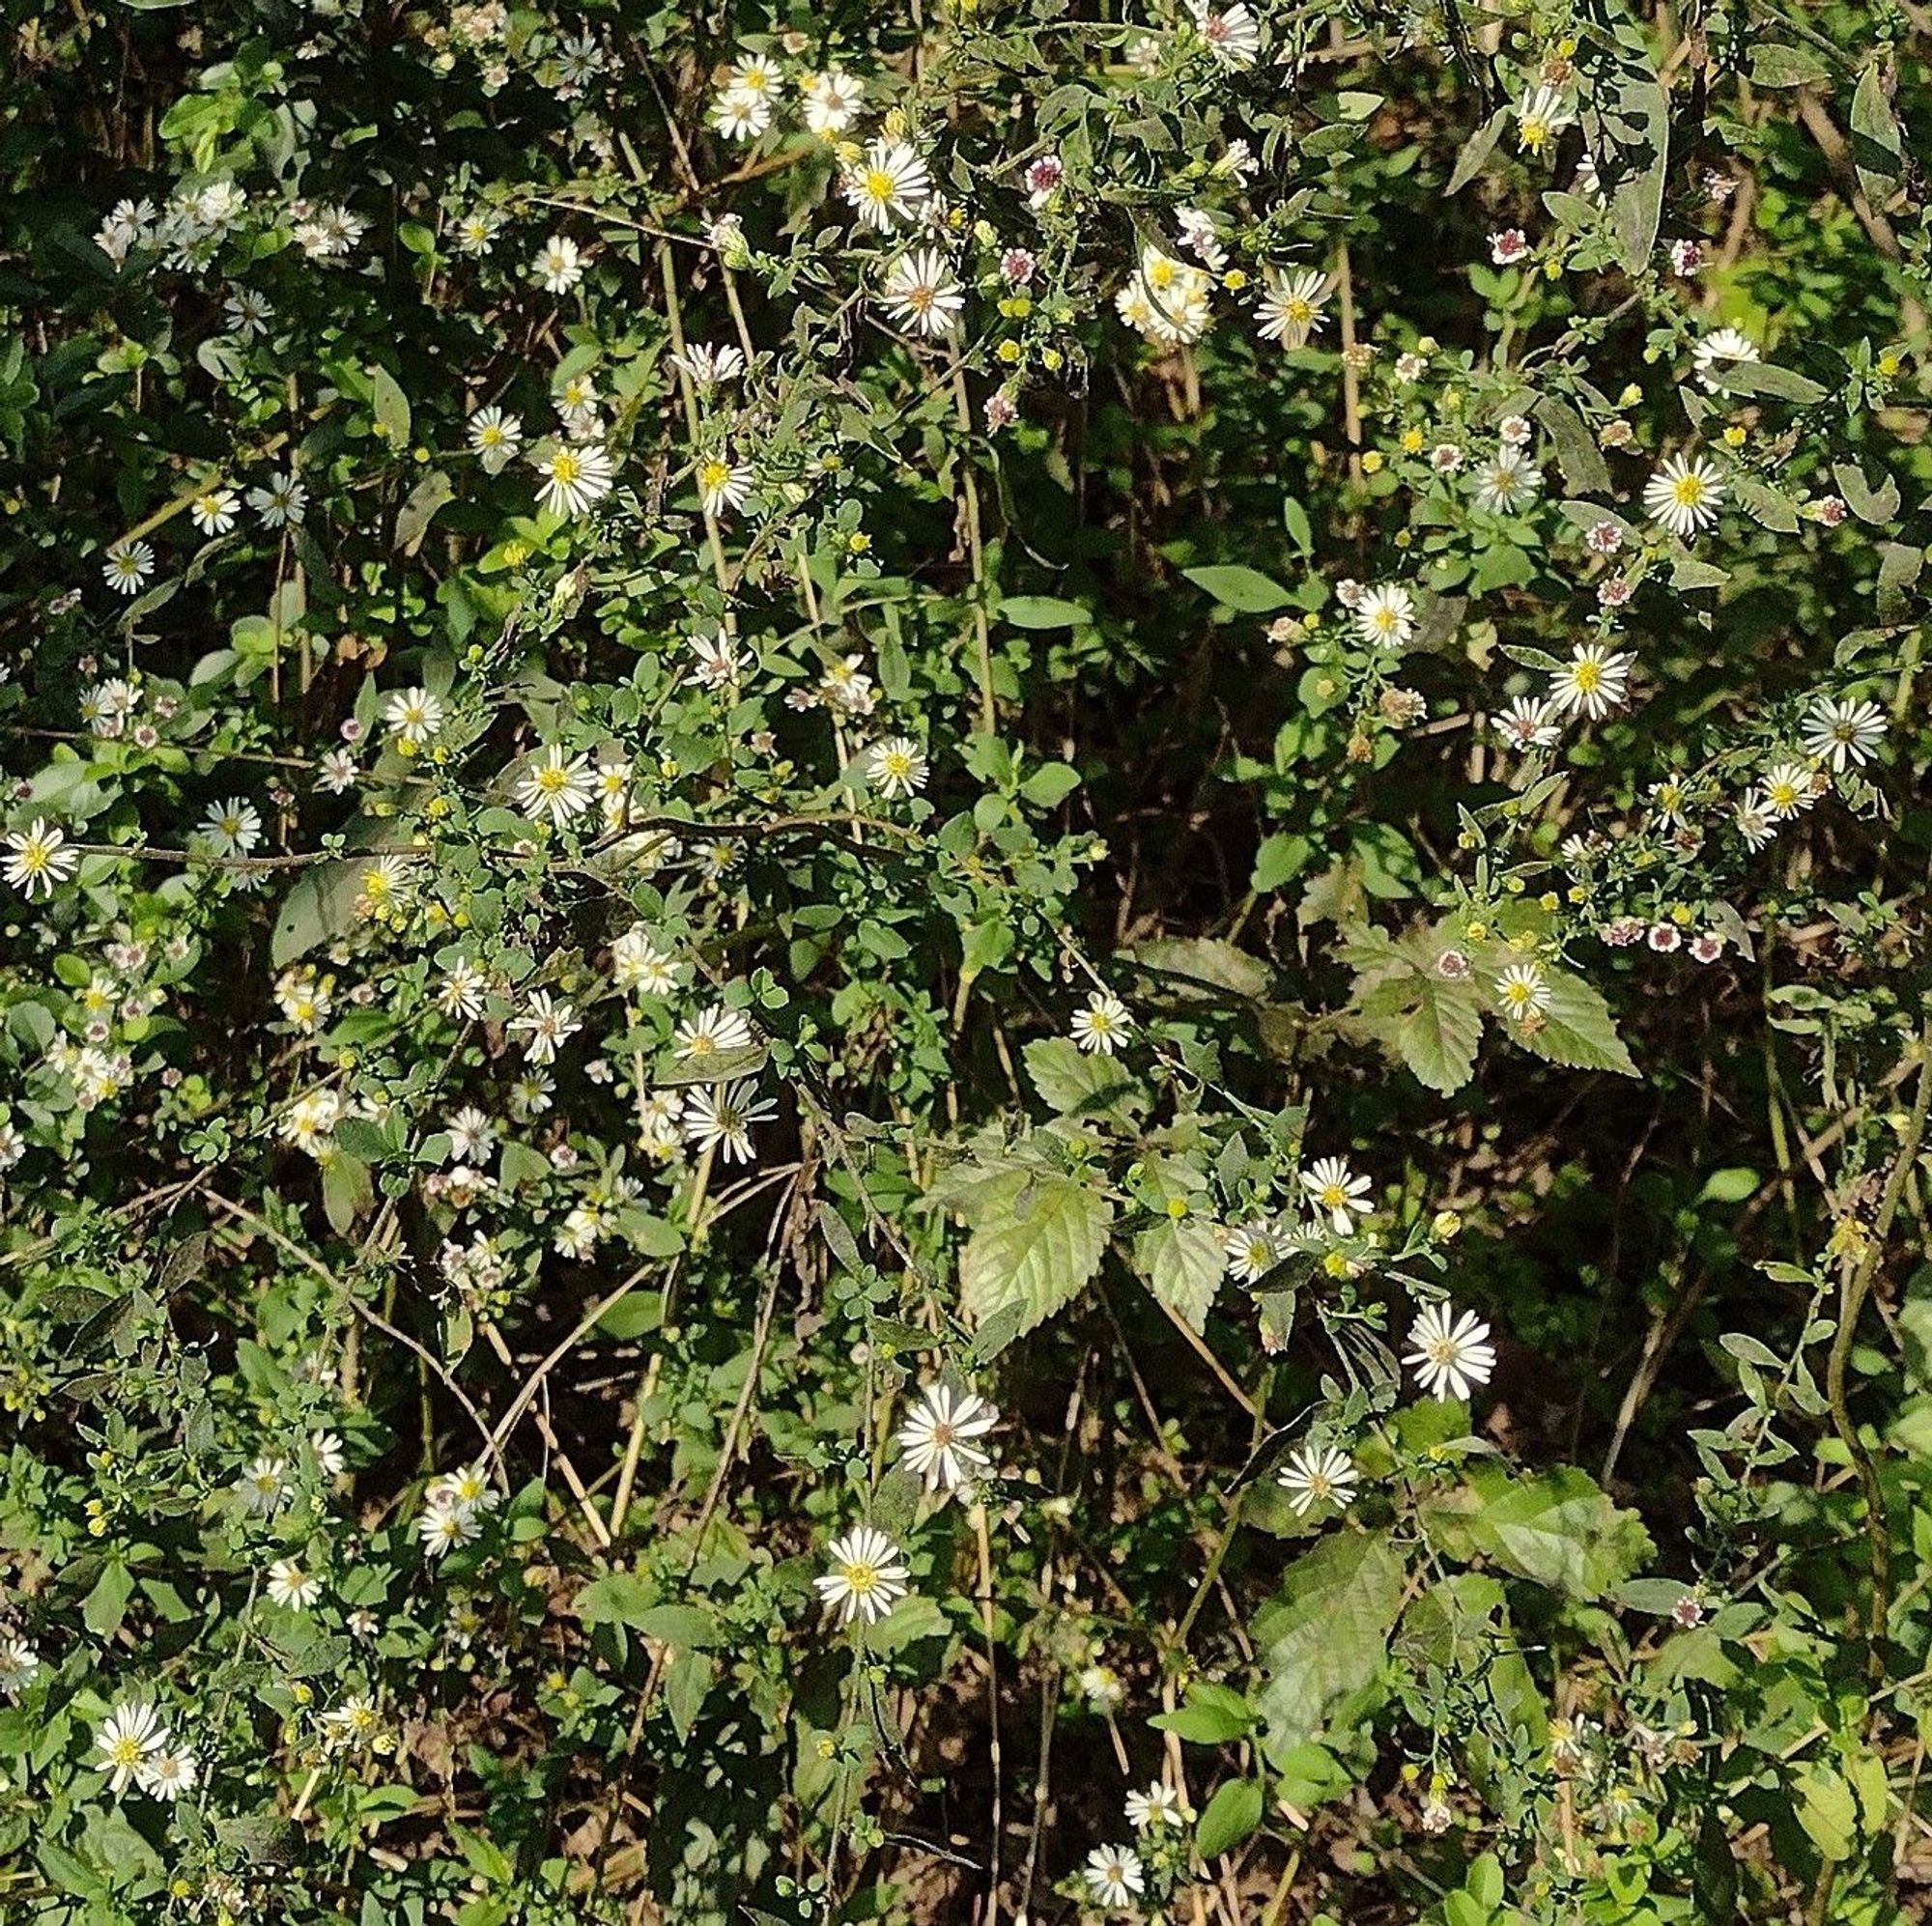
{"x": 1386, "y": 615}
{"x": 1233, "y": 36}
{"x": 720, "y": 661}
{"x": 866, "y": 1579}
{"x": 352, "y": 1722}
{"x": 290, "y": 1584}
{"x": 936, "y": 1440}
{"x": 495, "y": 437}
{"x": 472, "y": 1134}
{"x": 921, "y": 291}
{"x": 1154, "y": 1807}
{"x": 1318, "y": 1475}
{"x": 443, "y": 1527}
{"x": 1252, "y": 1252}
{"x": 575, "y": 478}
{"x": 18, "y": 1663}
{"x": 1523, "y": 992}
{"x": 167, "y": 1774}
{"x": 889, "y": 185}
{"x": 1727, "y": 347}
{"x": 233, "y": 826}
{"x": 1786, "y": 790}
{"x": 706, "y": 367}
{"x": 280, "y": 502}
{"x": 462, "y": 991}
{"x": 331, "y": 1459}
{"x": 1167, "y": 300}
{"x": 1113, "y": 1875}
{"x": 1540, "y": 115}
{"x": 739, "y": 116}
{"x": 546, "y": 1026}
{"x": 130, "y": 1736}
{"x": 478, "y": 231}
{"x": 38, "y": 859}
{"x": 637, "y": 963}
{"x": 1843, "y": 734}
{"x": 1450, "y": 1355}
{"x": 248, "y": 313}
{"x": 723, "y": 485}
{"x": 1684, "y": 495}
{"x": 261, "y": 1485}
{"x": 1290, "y": 307}
{"x": 1527, "y": 725}
{"x": 126, "y": 565}
{"x": 721, "y": 1117}
{"x": 555, "y": 787}
{"x": 213, "y": 510}
{"x": 832, "y": 100}
{"x": 897, "y": 767}
{"x": 559, "y": 265}
{"x": 1339, "y": 1193}
{"x": 1510, "y": 482}
{"x": 1103, "y": 1025}
{"x": 412, "y": 715}
{"x": 1594, "y": 681}
{"x": 711, "y": 1033}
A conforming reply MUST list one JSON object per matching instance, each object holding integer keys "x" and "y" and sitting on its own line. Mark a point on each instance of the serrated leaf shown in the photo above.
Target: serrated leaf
{"x": 1577, "y": 1029}
{"x": 1182, "y": 1265}
{"x": 1070, "y": 1081}
{"x": 1038, "y": 1244}
{"x": 1557, "y": 1528}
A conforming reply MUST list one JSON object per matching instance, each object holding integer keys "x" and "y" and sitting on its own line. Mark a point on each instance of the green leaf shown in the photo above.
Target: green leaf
{"x": 1827, "y": 1810}
{"x": 617, "y": 1597}
{"x": 391, "y": 408}
{"x": 1627, "y": 124}
{"x": 1324, "y": 1640}
{"x": 107, "y": 1603}
{"x": 1183, "y": 1263}
{"x": 1070, "y": 1081}
{"x": 1877, "y": 147}
{"x": 1766, "y": 378}
{"x": 1038, "y": 1242}
{"x": 1557, "y": 1528}
{"x": 1245, "y": 590}
{"x": 1777, "y": 66}
{"x": 1576, "y": 1030}
{"x": 1211, "y": 1715}
{"x": 1233, "y": 1813}
{"x": 414, "y": 518}
{"x": 1041, "y": 612}
{"x": 1476, "y": 152}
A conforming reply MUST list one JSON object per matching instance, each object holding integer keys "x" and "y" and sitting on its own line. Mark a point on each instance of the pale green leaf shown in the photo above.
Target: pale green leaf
{"x": 1037, "y": 1244}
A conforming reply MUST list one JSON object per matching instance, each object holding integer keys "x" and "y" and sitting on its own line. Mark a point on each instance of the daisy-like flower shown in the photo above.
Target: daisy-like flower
{"x": 720, "y": 661}
{"x": 897, "y": 767}
{"x": 921, "y": 292}
{"x": 248, "y": 313}
{"x": 1166, "y": 300}
{"x": 233, "y": 828}
{"x": 638, "y": 963}
{"x": 1290, "y": 307}
{"x": 1252, "y": 1252}
{"x": 330, "y": 1458}
{"x": 546, "y": 1026}
{"x": 1509, "y": 483}
{"x": 352, "y": 1722}
{"x": 1787, "y": 790}
{"x": 1318, "y": 1475}
{"x": 1540, "y": 115}
{"x": 462, "y": 991}
{"x": 1113, "y": 1875}
{"x": 443, "y": 1527}
{"x": 1594, "y": 681}
{"x": 1451, "y": 1355}
{"x": 1521, "y": 992}
{"x": 132, "y": 1735}
{"x": 1157, "y": 1806}
{"x": 741, "y": 115}
{"x": 889, "y": 185}
{"x": 1755, "y": 822}
{"x": 867, "y": 1578}
{"x": 281, "y": 501}
{"x": 1684, "y": 495}
{"x": 1527, "y": 725}
{"x": 1843, "y": 734}
{"x": 126, "y": 566}
{"x": 706, "y": 367}
{"x": 19, "y": 1662}
{"x": 1338, "y": 1193}
{"x": 213, "y": 510}
{"x": 832, "y": 102}
{"x": 1103, "y": 1025}
{"x": 559, "y": 265}
{"x": 937, "y": 1439}
{"x": 292, "y": 1584}
{"x": 472, "y": 1134}
{"x": 1385, "y": 616}
{"x": 575, "y": 478}
{"x": 720, "y": 1117}
{"x": 38, "y": 859}
{"x": 555, "y": 787}
{"x": 262, "y": 1485}
{"x": 1233, "y": 36}
{"x": 167, "y": 1774}
{"x": 1727, "y": 347}
{"x": 478, "y": 231}
{"x": 495, "y": 437}
{"x": 723, "y": 485}
{"x": 713, "y": 1031}
{"x": 412, "y": 715}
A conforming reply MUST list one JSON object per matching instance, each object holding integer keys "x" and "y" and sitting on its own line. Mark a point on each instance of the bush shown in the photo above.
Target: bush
{"x": 963, "y": 964}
